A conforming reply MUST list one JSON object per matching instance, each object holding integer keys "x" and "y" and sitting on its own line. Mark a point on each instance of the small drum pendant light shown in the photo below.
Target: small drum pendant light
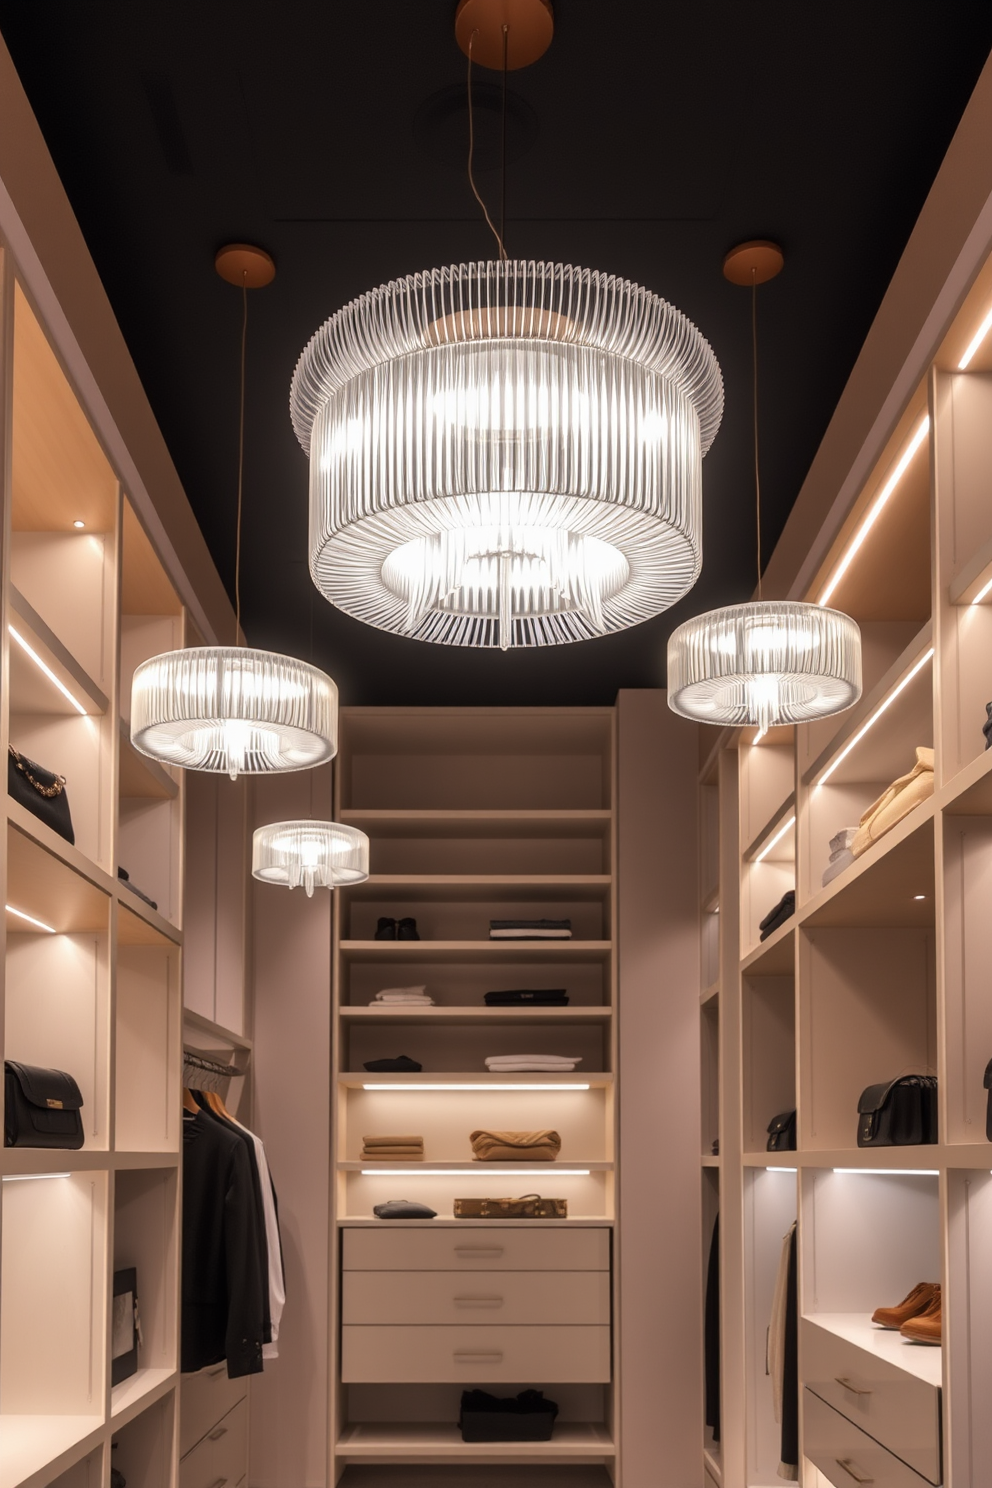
{"x": 230, "y": 708}
{"x": 775, "y": 661}
{"x": 316, "y": 854}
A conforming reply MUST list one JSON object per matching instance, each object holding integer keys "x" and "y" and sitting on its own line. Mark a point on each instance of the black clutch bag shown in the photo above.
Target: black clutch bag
{"x": 40, "y": 791}
{"x": 901, "y": 1113}
{"x": 41, "y": 1107}
{"x": 988, "y": 1087}
{"x": 782, "y": 1133}
{"x": 403, "y": 1209}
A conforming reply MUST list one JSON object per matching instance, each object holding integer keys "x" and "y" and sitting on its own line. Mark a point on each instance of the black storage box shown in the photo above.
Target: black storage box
{"x": 526, "y": 1417}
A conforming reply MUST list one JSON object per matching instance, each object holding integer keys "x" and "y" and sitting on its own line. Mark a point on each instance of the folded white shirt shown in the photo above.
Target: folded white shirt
{"x": 836, "y": 866}
{"x": 530, "y": 1064}
{"x": 402, "y": 991}
{"x": 391, "y": 1002}
{"x": 842, "y": 839}
{"x": 544, "y": 1058}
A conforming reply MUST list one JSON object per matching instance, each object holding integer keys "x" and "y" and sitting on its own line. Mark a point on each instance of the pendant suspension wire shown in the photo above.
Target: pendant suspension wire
{"x": 502, "y": 148}
{"x": 471, "y": 152}
{"x": 241, "y": 461}
{"x": 754, "y": 378}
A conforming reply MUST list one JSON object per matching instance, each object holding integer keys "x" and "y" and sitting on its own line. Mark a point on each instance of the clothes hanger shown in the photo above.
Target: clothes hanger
{"x": 189, "y": 1104}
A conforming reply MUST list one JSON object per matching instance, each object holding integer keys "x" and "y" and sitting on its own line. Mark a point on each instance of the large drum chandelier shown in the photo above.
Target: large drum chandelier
{"x": 506, "y": 453}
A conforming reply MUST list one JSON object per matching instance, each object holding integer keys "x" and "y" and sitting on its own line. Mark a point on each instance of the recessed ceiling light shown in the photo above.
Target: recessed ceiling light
{"x": 919, "y": 896}
{"x": 78, "y": 523}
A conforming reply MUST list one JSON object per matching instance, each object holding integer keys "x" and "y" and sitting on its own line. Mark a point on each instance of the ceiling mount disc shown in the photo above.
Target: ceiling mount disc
{"x": 753, "y": 263}
{"x": 245, "y": 265}
{"x": 529, "y": 24}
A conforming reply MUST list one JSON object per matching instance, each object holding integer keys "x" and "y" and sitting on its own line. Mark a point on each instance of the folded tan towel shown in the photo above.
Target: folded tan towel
{"x": 511, "y": 1146}
{"x": 393, "y": 1141}
{"x": 896, "y": 802}
{"x": 391, "y": 1154}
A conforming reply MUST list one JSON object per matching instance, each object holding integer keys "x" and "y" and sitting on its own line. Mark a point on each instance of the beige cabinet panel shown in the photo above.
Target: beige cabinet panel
{"x": 493, "y": 1297}
{"x": 497, "y": 1249}
{"x": 220, "y": 1460}
{"x": 204, "y": 1398}
{"x": 472, "y": 1356}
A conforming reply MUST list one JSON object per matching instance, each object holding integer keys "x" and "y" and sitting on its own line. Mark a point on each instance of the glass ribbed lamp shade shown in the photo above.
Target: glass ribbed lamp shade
{"x": 763, "y": 664}
{"x": 316, "y": 854}
{"x": 230, "y": 709}
{"x": 506, "y": 454}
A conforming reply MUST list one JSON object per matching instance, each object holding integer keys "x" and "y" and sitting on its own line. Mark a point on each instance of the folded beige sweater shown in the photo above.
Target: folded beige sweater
{"x": 511, "y": 1146}
{"x": 896, "y": 802}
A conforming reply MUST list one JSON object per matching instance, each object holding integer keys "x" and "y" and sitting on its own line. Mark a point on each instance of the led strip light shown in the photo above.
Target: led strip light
{"x": 43, "y": 667}
{"x": 786, "y": 827}
{"x": 476, "y": 1085}
{"x": 873, "y": 719}
{"x": 50, "y": 929}
{"x": 411, "y": 1170}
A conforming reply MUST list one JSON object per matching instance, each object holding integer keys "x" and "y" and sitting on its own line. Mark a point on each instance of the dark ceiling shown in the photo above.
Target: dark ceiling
{"x": 649, "y": 139}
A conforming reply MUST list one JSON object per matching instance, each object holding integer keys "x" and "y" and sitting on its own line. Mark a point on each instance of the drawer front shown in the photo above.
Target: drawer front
{"x": 846, "y": 1456}
{"x": 203, "y": 1398}
{"x": 543, "y": 1248}
{"x": 220, "y": 1460}
{"x": 493, "y": 1297}
{"x": 897, "y": 1409}
{"x": 475, "y": 1356}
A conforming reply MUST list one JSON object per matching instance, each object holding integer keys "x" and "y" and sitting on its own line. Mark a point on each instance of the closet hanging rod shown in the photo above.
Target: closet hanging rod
{"x": 192, "y": 1060}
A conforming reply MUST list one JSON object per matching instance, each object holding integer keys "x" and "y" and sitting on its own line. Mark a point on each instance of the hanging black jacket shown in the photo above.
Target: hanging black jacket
{"x": 223, "y": 1285}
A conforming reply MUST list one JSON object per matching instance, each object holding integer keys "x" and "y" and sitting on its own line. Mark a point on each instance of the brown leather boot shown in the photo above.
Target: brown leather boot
{"x": 925, "y": 1328}
{"x": 912, "y": 1306}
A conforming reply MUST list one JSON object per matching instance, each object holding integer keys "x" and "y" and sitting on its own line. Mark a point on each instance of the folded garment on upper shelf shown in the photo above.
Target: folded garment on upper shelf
{"x": 530, "y": 929}
{"x": 896, "y": 802}
{"x": 402, "y": 1064}
{"x": 515, "y": 1146}
{"x": 837, "y": 864}
{"x": 783, "y": 910}
{"x": 569, "y": 1060}
{"x": 398, "y": 996}
{"x": 391, "y": 1141}
{"x": 530, "y": 1065}
{"x": 528, "y": 997}
{"x": 392, "y": 1149}
{"x": 842, "y": 840}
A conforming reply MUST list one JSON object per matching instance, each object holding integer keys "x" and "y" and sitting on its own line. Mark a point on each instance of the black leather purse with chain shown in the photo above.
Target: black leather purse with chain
{"x": 41, "y": 791}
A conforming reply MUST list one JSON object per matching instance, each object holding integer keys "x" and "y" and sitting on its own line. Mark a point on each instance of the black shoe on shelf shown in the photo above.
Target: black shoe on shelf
{"x": 406, "y": 929}
{"x": 385, "y": 929}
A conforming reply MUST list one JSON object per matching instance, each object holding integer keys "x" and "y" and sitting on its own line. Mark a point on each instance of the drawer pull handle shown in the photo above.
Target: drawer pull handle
{"x": 852, "y": 1471}
{"x": 478, "y": 1356}
{"x": 213, "y": 1373}
{"x": 470, "y": 1251}
{"x": 216, "y": 1435}
{"x": 840, "y": 1379}
{"x": 479, "y": 1301}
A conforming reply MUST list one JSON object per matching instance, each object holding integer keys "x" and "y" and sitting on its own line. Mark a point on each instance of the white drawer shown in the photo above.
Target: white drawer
{"x": 895, "y": 1407}
{"x": 474, "y": 1356}
{"x": 544, "y": 1248}
{"x": 449, "y": 1297}
{"x": 847, "y": 1457}
{"x": 220, "y": 1460}
{"x": 203, "y": 1398}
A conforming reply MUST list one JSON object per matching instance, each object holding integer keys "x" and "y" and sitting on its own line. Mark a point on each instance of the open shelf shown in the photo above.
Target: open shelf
{"x": 433, "y": 1016}
{"x": 412, "y": 1439}
{"x": 470, "y": 1167}
{"x": 478, "y": 1079}
{"x": 36, "y": 1447}
{"x": 884, "y": 1343}
{"x": 476, "y": 950}
{"x": 139, "y": 1391}
{"x": 40, "y": 681}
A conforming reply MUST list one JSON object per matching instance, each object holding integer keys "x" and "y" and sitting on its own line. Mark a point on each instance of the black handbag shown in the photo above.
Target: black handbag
{"x": 901, "y": 1113}
{"x": 41, "y": 1107}
{"x": 403, "y": 1209}
{"x": 526, "y": 1417}
{"x": 988, "y": 1112}
{"x": 41, "y": 791}
{"x": 782, "y": 1133}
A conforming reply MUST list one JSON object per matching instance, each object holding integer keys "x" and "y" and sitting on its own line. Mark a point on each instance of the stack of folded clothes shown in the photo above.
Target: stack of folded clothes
{"x": 402, "y": 996}
{"x": 784, "y": 910}
{"x": 552, "y": 1064}
{"x": 528, "y": 997}
{"x": 896, "y": 802}
{"x": 392, "y": 1149}
{"x": 530, "y": 929}
{"x": 401, "y": 1064}
{"x": 841, "y": 855}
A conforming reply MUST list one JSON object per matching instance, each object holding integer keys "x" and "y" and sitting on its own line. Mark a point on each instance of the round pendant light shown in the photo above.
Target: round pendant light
{"x": 764, "y": 664}
{"x": 231, "y": 709}
{"x": 774, "y": 661}
{"x": 506, "y": 453}
{"x": 314, "y": 854}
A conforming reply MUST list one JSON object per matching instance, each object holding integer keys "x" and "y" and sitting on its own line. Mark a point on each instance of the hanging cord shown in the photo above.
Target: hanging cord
{"x": 754, "y": 377}
{"x": 241, "y": 462}
{"x": 502, "y": 152}
{"x": 471, "y": 152}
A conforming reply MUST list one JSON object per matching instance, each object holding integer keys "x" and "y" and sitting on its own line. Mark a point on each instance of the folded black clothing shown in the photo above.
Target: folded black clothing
{"x": 783, "y": 910}
{"x": 522, "y": 1404}
{"x": 401, "y": 1065}
{"x": 125, "y": 877}
{"x": 987, "y": 726}
{"x": 526, "y": 1417}
{"x": 526, "y": 997}
{"x": 530, "y": 924}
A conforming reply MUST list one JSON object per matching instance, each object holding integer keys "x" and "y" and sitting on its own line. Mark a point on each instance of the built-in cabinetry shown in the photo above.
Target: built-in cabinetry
{"x": 882, "y": 971}
{"x": 474, "y": 814}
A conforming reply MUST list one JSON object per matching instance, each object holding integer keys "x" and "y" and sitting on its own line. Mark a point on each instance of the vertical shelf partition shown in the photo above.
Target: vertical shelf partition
{"x": 475, "y": 814}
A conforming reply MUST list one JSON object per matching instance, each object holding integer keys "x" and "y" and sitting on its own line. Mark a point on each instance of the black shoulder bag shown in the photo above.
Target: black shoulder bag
{"x": 41, "y": 1107}
{"x": 900, "y": 1113}
{"x": 782, "y": 1133}
{"x": 40, "y": 791}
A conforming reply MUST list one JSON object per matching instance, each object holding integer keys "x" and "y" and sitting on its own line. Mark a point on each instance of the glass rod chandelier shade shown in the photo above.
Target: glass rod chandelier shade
{"x": 316, "y": 854}
{"x": 506, "y": 453}
{"x": 233, "y": 710}
{"x": 773, "y": 662}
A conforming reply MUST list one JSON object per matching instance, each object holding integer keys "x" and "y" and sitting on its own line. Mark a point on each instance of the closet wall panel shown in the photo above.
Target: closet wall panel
{"x": 659, "y": 1212}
